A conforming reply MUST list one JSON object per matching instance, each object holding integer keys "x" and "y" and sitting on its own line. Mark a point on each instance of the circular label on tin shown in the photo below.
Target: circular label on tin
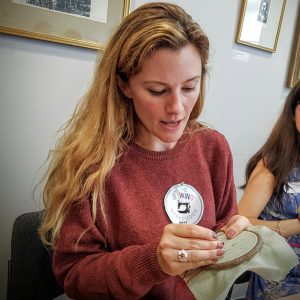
{"x": 183, "y": 204}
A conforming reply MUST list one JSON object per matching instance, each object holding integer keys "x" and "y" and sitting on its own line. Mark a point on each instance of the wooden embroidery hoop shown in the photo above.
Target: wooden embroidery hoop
{"x": 237, "y": 250}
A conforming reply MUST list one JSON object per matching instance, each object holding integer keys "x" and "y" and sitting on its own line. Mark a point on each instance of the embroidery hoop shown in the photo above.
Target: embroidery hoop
{"x": 237, "y": 250}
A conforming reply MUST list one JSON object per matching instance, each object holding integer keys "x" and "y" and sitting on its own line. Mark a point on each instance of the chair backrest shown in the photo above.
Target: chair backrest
{"x": 30, "y": 274}
{"x": 243, "y": 278}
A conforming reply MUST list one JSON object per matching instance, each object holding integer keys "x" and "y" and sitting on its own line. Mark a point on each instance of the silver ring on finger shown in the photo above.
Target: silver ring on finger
{"x": 182, "y": 255}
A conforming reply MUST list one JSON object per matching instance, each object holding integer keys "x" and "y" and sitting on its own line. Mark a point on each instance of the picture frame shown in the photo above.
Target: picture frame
{"x": 294, "y": 67}
{"x": 260, "y": 23}
{"x": 135, "y": 4}
{"x": 19, "y": 18}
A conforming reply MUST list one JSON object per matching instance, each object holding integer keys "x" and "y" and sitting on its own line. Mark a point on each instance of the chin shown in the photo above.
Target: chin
{"x": 171, "y": 139}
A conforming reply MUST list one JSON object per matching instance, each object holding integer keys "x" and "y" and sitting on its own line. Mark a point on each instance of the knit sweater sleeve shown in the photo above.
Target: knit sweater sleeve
{"x": 87, "y": 271}
{"x": 226, "y": 205}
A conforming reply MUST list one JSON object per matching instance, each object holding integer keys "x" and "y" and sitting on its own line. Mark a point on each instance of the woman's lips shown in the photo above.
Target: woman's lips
{"x": 171, "y": 123}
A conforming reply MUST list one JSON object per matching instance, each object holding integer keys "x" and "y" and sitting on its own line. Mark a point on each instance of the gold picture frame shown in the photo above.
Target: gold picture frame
{"x": 49, "y": 25}
{"x": 260, "y": 23}
{"x": 294, "y": 69}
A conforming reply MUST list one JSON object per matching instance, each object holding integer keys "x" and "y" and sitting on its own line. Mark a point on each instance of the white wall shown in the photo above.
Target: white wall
{"x": 41, "y": 82}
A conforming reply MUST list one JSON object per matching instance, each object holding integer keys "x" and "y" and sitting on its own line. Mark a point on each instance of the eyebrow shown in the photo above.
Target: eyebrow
{"x": 163, "y": 83}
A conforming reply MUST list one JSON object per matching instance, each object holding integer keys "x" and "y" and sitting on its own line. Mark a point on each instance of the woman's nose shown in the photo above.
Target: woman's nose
{"x": 174, "y": 103}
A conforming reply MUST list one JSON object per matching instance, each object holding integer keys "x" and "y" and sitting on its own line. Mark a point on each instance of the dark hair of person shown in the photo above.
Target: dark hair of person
{"x": 280, "y": 153}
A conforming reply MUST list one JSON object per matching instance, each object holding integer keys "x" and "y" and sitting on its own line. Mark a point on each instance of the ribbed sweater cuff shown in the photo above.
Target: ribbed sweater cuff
{"x": 148, "y": 270}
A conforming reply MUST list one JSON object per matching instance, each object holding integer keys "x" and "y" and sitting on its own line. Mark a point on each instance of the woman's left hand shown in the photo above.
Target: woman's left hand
{"x": 235, "y": 225}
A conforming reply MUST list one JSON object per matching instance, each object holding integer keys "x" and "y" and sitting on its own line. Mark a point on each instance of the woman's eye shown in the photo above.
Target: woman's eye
{"x": 156, "y": 93}
{"x": 189, "y": 89}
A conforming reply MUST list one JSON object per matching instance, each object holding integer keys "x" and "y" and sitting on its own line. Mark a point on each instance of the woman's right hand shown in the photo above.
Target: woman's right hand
{"x": 201, "y": 245}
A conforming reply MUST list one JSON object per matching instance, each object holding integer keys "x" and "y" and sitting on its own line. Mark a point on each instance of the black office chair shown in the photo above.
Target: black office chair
{"x": 30, "y": 275}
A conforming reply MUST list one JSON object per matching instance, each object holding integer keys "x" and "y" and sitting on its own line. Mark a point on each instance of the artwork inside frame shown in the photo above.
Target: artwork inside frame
{"x": 294, "y": 68}
{"x": 260, "y": 23}
{"x": 86, "y": 25}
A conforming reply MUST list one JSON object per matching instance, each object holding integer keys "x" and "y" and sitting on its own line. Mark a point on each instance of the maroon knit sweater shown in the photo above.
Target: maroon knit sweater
{"x": 118, "y": 260}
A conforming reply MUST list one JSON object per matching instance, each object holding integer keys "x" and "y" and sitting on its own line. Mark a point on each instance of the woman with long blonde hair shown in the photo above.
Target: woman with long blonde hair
{"x": 136, "y": 187}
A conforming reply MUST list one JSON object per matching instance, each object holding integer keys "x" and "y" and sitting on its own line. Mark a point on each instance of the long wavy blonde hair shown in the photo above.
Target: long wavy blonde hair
{"x": 104, "y": 122}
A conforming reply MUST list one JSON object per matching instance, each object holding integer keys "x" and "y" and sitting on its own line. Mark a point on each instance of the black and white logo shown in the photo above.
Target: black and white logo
{"x": 183, "y": 204}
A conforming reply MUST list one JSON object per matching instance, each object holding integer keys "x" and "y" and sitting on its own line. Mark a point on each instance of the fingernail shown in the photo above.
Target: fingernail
{"x": 220, "y": 245}
{"x": 214, "y": 236}
{"x": 230, "y": 233}
{"x": 220, "y": 252}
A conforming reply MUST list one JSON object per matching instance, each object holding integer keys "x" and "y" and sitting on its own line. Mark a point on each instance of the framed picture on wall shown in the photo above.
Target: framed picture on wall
{"x": 260, "y": 23}
{"x": 136, "y": 3}
{"x": 83, "y": 23}
{"x": 294, "y": 69}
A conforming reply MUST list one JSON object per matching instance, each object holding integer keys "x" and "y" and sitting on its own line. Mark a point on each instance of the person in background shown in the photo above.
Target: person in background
{"x": 272, "y": 193}
{"x": 137, "y": 188}
{"x": 263, "y": 11}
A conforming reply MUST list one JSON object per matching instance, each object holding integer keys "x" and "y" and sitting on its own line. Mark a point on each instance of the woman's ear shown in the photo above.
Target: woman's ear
{"x": 124, "y": 87}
